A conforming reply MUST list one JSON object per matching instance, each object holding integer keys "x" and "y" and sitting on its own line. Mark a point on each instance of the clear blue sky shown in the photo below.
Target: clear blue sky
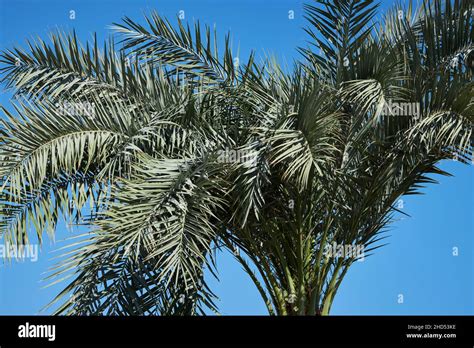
{"x": 418, "y": 263}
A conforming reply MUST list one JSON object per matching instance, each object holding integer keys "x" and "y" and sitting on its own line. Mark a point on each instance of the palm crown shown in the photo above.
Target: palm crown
{"x": 167, "y": 150}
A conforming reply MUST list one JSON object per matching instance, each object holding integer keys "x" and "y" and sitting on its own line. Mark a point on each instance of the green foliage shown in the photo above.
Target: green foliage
{"x": 142, "y": 134}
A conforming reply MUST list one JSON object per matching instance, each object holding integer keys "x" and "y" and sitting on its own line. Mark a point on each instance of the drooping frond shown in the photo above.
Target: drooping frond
{"x": 338, "y": 30}
{"x": 185, "y": 50}
{"x": 178, "y": 149}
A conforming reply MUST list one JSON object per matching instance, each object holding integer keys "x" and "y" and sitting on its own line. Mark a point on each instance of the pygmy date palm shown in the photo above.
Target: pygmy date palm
{"x": 167, "y": 150}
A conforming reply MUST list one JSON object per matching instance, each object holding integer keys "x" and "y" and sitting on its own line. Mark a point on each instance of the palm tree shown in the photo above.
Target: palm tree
{"x": 167, "y": 151}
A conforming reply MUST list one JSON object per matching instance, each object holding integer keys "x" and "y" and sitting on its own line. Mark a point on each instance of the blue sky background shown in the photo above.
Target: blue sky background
{"x": 418, "y": 263}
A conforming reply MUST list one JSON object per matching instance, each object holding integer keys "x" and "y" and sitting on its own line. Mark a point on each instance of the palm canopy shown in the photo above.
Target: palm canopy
{"x": 167, "y": 150}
